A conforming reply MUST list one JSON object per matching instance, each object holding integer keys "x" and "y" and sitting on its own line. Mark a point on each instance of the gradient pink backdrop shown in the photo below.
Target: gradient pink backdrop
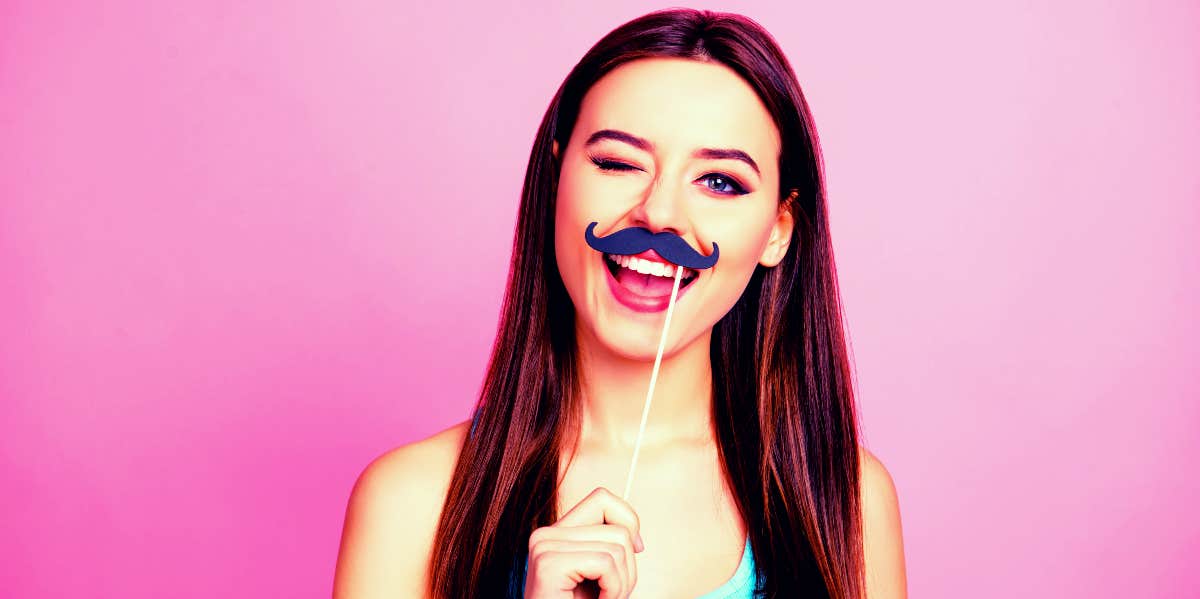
{"x": 244, "y": 250}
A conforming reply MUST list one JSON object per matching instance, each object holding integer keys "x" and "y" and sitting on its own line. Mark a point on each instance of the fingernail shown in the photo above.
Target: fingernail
{"x": 638, "y": 545}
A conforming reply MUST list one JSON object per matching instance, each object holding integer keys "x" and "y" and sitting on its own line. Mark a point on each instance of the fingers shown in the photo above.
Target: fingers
{"x": 584, "y": 560}
{"x": 601, "y": 506}
{"x": 614, "y": 539}
{"x": 595, "y": 541}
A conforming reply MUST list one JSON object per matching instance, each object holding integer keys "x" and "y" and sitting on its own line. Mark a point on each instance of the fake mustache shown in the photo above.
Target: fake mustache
{"x": 636, "y": 240}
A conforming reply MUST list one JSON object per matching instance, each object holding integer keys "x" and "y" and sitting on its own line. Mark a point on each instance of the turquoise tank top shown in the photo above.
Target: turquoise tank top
{"x": 741, "y": 585}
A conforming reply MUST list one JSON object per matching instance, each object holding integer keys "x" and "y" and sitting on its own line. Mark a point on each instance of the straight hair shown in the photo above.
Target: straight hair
{"x": 783, "y": 402}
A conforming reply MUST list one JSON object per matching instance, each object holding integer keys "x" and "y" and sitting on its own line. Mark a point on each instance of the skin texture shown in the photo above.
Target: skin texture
{"x": 680, "y": 506}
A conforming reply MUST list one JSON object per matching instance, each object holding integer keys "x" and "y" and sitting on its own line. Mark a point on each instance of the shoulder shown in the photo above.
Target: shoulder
{"x": 878, "y": 488}
{"x": 392, "y": 515}
{"x": 883, "y": 546}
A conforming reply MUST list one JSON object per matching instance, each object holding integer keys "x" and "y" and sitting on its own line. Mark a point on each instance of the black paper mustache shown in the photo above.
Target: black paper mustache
{"x": 636, "y": 240}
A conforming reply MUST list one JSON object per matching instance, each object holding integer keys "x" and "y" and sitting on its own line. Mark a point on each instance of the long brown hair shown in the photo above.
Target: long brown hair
{"x": 782, "y": 396}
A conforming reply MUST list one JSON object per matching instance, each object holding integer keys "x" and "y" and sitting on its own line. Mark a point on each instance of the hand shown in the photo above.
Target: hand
{"x": 595, "y": 541}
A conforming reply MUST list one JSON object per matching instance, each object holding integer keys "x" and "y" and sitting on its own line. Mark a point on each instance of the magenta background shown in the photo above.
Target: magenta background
{"x": 244, "y": 250}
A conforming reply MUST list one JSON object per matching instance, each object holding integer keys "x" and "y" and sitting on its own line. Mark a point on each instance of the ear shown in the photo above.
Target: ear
{"x": 554, "y": 149}
{"x": 781, "y": 233}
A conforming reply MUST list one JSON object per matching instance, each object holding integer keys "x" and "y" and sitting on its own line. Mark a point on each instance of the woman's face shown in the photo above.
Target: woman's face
{"x": 639, "y": 156}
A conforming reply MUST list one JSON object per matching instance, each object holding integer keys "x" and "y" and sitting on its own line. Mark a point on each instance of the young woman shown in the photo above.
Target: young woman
{"x": 689, "y": 124}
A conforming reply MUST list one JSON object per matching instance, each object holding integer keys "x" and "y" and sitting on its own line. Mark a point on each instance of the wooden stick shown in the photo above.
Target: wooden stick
{"x": 662, "y": 343}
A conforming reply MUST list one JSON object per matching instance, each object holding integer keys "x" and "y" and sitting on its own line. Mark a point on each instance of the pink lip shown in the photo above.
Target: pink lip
{"x": 638, "y": 302}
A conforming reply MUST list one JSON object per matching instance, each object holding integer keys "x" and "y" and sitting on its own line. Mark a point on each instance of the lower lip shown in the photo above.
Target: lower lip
{"x": 637, "y": 302}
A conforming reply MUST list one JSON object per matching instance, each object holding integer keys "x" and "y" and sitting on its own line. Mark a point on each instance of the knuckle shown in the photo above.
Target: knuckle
{"x": 623, "y": 536}
{"x": 610, "y": 561}
{"x": 537, "y": 537}
{"x": 549, "y": 562}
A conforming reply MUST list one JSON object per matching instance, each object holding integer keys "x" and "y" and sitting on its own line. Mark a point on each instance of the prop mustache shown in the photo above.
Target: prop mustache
{"x": 636, "y": 240}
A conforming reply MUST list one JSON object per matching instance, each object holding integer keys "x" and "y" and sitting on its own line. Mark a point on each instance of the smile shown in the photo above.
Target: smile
{"x": 643, "y": 283}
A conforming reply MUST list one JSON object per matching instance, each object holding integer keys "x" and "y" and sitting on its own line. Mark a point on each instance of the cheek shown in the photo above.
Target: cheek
{"x": 578, "y": 203}
{"x": 736, "y": 273}
{"x": 741, "y": 249}
{"x": 742, "y": 237}
{"x": 571, "y": 217}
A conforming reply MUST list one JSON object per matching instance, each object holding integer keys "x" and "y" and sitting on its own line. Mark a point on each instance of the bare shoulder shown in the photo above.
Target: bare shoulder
{"x": 878, "y": 488}
{"x": 391, "y": 518}
{"x": 883, "y": 544}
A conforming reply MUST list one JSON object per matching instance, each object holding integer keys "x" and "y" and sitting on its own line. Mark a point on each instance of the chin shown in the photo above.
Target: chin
{"x": 630, "y": 345}
{"x": 638, "y": 342}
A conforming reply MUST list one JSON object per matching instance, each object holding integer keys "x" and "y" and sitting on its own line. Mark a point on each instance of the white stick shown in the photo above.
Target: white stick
{"x": 662, "y": 343}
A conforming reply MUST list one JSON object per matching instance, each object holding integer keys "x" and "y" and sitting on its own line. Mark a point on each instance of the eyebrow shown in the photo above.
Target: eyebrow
{"x": 645, "y": 145}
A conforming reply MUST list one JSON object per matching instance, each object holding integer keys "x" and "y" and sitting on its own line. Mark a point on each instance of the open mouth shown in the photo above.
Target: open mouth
{"x": 645, "y": 277}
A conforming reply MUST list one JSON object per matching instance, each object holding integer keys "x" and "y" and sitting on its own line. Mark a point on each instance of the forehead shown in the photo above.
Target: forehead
{"x": 680, "y": 104}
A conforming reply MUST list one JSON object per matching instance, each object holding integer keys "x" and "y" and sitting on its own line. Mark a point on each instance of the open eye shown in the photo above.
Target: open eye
{"x": 724, "y": 182}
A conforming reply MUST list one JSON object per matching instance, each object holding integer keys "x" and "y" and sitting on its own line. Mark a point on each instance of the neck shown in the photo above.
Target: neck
{"x": 614, "y": 395}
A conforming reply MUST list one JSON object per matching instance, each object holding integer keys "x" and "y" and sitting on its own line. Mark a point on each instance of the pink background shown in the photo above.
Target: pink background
{"x": 244, "y": 250}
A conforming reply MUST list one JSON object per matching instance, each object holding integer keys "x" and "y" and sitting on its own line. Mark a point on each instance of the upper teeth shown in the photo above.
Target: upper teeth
{"x": 649, "y": 267}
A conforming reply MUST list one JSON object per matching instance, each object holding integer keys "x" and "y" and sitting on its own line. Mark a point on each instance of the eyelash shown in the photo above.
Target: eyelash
{"x": 613, "y": 165}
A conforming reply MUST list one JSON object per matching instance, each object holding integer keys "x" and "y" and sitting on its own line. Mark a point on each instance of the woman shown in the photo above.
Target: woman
{"x": 689, "y": 124}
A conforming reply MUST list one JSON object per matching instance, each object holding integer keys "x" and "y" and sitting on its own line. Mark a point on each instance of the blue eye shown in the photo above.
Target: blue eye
{"x": 726, "y": 182}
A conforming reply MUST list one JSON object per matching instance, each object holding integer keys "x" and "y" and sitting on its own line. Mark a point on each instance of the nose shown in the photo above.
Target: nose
{"x": 662, "y": 208}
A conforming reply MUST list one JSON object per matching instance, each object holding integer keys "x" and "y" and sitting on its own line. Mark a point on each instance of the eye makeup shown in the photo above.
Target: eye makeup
{"x": 731, "y": 182}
